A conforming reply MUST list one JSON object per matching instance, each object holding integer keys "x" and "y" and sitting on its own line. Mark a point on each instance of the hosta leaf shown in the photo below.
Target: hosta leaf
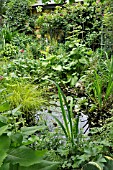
{"x": 43, "y": 165}
{"x": 24, "y": 156}
{"x": 4, "y": 142}
{"x": 4, "y": 146}
{"x": 32, "y": 130}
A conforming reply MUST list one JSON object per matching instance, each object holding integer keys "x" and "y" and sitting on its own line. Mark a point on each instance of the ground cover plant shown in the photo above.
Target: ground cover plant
{"x": 15, "y": 153}
{"x": 49, "y": 81}
{"x": 31, "y": 96}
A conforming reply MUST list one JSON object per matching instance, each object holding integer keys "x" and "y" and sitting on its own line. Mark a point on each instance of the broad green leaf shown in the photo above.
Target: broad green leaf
{"x": 3, "y": 119}
{"x": 3, "y": 155}
{"x": 4, "y": 107}
{"x": 3, "y": 129}
{"x": 42, "y": 165}
{"x": 32, "y": 130}
{"x": 24, "y": 156}
{"x": 4, "y": 146}
{"x": 17, "y": 138}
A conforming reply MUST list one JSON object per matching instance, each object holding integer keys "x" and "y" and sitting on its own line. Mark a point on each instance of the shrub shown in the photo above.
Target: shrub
{"x": 82, "y": 21}
{"x": 18, "y": 15}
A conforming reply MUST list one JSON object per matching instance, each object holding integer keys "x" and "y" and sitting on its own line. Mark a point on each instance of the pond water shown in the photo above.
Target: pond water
{"x": 54, "y": 109}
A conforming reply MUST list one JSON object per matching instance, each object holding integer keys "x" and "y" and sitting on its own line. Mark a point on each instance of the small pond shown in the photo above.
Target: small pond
{"x": 54, "y": 109}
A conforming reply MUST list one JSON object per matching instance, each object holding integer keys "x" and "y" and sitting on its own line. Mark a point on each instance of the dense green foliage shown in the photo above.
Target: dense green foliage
{"x": 18, "y": 15}
{"x": 15, "y": 154}
{"x": 70, "y": 22}
{"x": 56, "y": 67}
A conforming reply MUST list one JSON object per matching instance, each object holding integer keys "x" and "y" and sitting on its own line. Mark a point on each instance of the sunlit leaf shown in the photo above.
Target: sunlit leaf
{"x": 58, "y": 67}
{"x": 3, "y": 129}
{"x": 4, "y": 107}
{"x": 32, "y": 130}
